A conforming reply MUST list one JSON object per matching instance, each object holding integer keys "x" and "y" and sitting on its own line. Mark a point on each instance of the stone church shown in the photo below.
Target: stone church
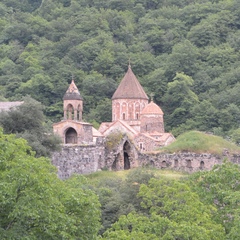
{"x": 132, "y": 114}
{"x": 139, "y": 122}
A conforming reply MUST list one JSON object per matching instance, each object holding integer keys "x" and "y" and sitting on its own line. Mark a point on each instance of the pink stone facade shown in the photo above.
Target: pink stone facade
{"x": 133, "y": 115}
{"x": 128, "y": 109}
{"x": 72, "y": 130}
{"x": 73, "y": 109}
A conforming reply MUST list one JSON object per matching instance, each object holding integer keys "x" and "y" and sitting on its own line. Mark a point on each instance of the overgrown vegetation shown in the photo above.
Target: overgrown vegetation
{"x": 136, "y": 204}
{"x": 200, "y": 142}
{"x": 113, "y": 139}
{"x": 36, "y": 204}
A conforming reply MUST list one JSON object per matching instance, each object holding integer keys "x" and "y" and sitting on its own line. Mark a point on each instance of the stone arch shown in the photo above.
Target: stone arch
{"x": 164, "y": 164}
{"x": 79, "y": 112}
{"x": 71, "y": 136}
{"x": 137, "y": 110}
{"x": 202, "y": 165}
{"x": 70, "y": 111}
{"x": 124, "y": 111}
{"x": 126, "y": 155}
{"x": 152, "y": 163}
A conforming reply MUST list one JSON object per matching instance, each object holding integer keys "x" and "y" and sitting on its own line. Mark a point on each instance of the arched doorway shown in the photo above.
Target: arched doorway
{"x": 126, "y": 152}
{"x": 71, "y": 136}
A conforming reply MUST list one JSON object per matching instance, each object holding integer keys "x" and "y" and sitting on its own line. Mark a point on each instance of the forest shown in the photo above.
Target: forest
{"x": 184, "y": 52}
{"x": 142, "y": 203}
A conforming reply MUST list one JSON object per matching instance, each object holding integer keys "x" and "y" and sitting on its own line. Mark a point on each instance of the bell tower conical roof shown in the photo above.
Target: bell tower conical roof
{"x": 72, "y": 93}
{"x": 129, "y": 87}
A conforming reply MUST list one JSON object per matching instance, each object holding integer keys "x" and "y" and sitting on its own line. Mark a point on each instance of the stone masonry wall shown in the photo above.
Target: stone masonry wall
{"x": 187, "y": 162}
{"x": 90, "y": 158}
{"x": 78, "y": 159}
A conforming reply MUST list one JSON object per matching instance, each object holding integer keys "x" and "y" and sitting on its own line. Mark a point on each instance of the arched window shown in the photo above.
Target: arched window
{"x": 137, "y": 110}
{"x": 202, "y": 165}
{"x": 79, "y": 113}
{"x": 124, "y": 111}
{"x": 70, "y": 111}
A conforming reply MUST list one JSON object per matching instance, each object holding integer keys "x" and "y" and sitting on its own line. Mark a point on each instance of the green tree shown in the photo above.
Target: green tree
{"x": 35, "y": 204}
{"x": 28, "y": 121}
{"x": 184, "y": 58}
{"x": 220, "y": 187}
{"x": 179, "y": 99}
{"x": 175, "y": 212}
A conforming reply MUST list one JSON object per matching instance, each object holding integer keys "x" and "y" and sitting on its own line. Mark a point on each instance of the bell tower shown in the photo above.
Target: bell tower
{"x": 72, "y": 103}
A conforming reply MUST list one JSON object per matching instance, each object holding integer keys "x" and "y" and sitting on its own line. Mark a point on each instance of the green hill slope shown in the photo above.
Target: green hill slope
{"x": 200, "y": 142}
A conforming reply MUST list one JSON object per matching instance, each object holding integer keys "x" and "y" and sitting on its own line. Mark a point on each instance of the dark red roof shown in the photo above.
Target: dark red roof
{"x": 72, "y": 93}
{"x": 129, "y": 88}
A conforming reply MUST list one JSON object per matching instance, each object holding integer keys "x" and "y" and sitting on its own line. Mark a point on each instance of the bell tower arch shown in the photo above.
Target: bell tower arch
{"x": 73, "y": 103}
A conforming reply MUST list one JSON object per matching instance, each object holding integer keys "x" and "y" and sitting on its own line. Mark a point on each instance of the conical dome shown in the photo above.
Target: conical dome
{"x": 129, "y": 88}
{"x": 152, "y": 108}
{"x": 72, "y": 93}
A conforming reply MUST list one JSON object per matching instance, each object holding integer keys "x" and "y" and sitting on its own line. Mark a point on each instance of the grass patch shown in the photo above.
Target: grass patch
{"x": 122, "y": 175}
{"x": 199, "y": 142}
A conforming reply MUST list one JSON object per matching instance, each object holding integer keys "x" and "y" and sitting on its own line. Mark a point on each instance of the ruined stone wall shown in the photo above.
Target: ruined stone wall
{"x": 78, "y": 159}
{"x": 86, "y": 159}
{"x": 187, "y": 162}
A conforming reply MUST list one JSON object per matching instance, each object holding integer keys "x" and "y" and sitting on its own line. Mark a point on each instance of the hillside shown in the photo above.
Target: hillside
{"x": 200, "y": 142}
{"x": 184, "y": 52}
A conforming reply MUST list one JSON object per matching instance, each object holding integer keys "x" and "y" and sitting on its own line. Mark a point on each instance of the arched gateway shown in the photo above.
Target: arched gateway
{"x": 71, "y": 136}
{"x": 123, "y": 158}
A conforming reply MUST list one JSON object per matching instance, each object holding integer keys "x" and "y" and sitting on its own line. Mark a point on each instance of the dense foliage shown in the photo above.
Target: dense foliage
{"x": 185, "y": 52}
{"x": 144, "y": 204}
{"x": 29, "y": 122}
{"x": 141, "y": 204}
{"x": 36, "y": 204}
